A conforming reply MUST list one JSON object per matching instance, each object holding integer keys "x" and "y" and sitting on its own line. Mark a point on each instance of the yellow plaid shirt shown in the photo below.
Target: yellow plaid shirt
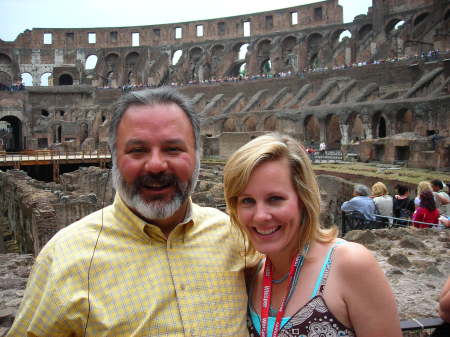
{"x": 140, "y": 283}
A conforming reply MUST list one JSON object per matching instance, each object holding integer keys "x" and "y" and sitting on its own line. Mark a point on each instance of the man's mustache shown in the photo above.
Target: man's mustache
{"x": 156, "y": 179}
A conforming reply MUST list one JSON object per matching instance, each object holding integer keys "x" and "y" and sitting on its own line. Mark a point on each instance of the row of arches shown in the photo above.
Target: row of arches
{"x": 335, "y": 130}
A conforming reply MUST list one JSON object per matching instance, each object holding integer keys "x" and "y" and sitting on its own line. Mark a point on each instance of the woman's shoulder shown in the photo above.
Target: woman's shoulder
{"x": 351, "y": 256}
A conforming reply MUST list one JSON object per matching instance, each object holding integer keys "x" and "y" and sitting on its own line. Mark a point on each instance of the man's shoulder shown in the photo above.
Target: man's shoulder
{"x": 80, "y": 229}
{"x": 204, "y": 211}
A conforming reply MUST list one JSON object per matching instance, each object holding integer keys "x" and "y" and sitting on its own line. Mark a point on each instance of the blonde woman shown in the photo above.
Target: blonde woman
{"x": 310, "y": 282}
{"x": 383, "y": 201}
{"x": 421, "y": 187}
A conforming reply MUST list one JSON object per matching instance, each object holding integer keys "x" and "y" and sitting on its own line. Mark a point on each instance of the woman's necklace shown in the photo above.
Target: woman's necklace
{"x": 282, "y": 279}
{"x": 273, "y": 312}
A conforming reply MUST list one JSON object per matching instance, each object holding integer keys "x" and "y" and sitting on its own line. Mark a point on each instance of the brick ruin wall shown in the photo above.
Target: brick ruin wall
{"x": 359, "y": 109}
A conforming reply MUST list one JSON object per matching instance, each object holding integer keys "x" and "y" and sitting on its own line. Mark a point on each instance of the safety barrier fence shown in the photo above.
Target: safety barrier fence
{"x": 9, "y": 158}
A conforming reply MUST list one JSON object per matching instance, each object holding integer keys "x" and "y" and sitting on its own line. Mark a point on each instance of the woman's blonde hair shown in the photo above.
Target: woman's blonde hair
{"x": 423, "y": 186}
{"x": 270, "y": 147}
{"x": 379, "y": 189}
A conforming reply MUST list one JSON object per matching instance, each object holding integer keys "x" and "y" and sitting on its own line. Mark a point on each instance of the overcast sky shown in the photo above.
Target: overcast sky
{"x": 18, "y": 15}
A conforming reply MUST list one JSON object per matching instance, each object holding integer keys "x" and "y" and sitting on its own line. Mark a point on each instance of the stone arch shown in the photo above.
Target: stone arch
{"x": 263, "y": 48}
{"x": 356, "y": 127}
{"x": 312, "y": 129}
{"x": 5, "y": 79}
{"x": 404, "y": 121}
{"x": 270, "y": 123}
{"x": 313, "y": 42}
{"x": 237, "y": 49}
{"x": 65, "y": 79}
{"x": 337, "y": 36}
{"x": 229, "y": 125}
{"x": 390, "y": 26}
{"x": 217, "y": 56}
{"x": 57, "y": 133}
{"x": 46, "y": 79}
{"x": 380, "y": 125}
{"x": 419, "y": 18}
{"x": 132, "y": 59}
{"x": 27, "y": 79}
{"x": 195, "y": 54}
{"x": 112, "y": 61}
{"x": 84, "y": 132}
{"x": 250, "y": 123}
{"x": 364, "y": 31}
{"x": 12, "y": 139}
{"x": 333, "y": 132}
{"x": 5, "y": 59}
{"x": 176, "y": 56}
{"x": 91, "y": 62}
{"x": 289, "y": 57}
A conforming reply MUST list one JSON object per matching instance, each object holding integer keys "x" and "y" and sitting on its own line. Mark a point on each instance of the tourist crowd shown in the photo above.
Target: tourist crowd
{"x": 12, "y": 88}
{"x": 430, "y": 207}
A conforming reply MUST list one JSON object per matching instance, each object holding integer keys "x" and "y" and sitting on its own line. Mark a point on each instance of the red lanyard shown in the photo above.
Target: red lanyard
{"x": 267, "y": 294}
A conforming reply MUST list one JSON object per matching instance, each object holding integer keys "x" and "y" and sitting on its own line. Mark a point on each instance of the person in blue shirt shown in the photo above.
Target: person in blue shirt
{"x": 360, "y": 202}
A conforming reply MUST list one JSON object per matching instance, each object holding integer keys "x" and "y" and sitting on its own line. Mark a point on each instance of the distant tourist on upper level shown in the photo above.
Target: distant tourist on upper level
{"x": 361, "y": 202}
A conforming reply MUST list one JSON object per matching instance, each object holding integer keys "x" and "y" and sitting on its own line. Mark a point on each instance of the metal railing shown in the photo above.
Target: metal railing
{"x": 50, "y": 155}
{"x": 423, "y": 327}
{"x": 357, "y": 221}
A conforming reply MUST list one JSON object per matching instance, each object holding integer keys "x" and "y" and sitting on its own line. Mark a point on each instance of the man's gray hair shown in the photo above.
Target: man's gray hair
{"x": 151, "y": 97}
{"x": 361, "y": 190}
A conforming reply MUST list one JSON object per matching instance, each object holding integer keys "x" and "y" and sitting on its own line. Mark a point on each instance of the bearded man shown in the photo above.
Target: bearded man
{"x": 153, "y": 263}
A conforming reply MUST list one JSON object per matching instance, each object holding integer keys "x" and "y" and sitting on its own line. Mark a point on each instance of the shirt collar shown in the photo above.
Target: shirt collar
{"x": 146, "y": 227}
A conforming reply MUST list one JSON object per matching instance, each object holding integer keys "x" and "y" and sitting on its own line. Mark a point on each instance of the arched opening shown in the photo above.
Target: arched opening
{"x": 250, "y": 123}
{"x": 57, "y": 134}
{"x": 312, "y": 130}
{"x": 195, "y": 54}
{"x": 243, "y": 70}
{"x": 5, "y": 79}
{"x": 84, "y": 132}
{"x": 11, "y": 134}
{"x": 345, "y": 34}
{"x": 393, "y": 26}
{"x": 314, "y": 41}
{"x": 91, "y": 62}
{"x": 108, "y": 80}
{"x": 364, "y": 31}
{"x": 263, "y": 49}
{"x": 5, "y": 59}
{"x": 176, "y": 56}
{"x": 333, "y": 132}
{"x": 111, "y": 62}
{"x": 217, "y": 55}
{"x": 356, "y": 129}
{"x": 419, "y": 19}
{"x": 380, "y": 126}
{"x": 46, "y": 79}
{"x": 288, "y": 54}
{"x": 404, "y": 121}
{"x": 242, "y": 53}
{"x": 65, "y": 79}
{"x": 132, "y": 59}
{"x": 27, "y": 79}
{"x": 229, "y": 125}
{"x": 270, "y": 123}
{"x": 314, "y": 62}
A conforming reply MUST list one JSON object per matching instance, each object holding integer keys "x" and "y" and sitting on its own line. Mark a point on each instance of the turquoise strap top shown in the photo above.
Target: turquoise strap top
{"x": 256, "y": 319}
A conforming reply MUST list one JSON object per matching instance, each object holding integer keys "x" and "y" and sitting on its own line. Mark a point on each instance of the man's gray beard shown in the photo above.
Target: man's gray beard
{"x": 154, "y": 209}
